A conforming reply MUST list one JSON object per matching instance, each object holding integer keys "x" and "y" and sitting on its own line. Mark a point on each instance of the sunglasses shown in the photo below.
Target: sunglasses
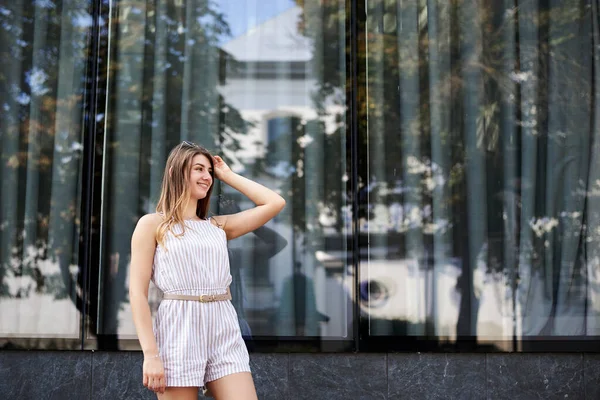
{"x": 193, "y": 145}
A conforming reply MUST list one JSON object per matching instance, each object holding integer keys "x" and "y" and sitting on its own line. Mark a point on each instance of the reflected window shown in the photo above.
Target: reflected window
{"x": 281, "y": 134}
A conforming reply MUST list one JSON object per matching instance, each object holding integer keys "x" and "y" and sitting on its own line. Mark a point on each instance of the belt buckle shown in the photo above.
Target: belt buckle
{"x": 211, "y": 297}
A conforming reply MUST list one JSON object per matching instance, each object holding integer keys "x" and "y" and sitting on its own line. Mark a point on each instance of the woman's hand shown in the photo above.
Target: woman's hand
{"x": 154, "y": 374}
{"x": 221, "y": 168}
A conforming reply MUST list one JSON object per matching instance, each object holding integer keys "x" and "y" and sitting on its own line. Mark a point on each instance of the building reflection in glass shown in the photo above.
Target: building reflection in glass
{"x": 257, "y": 99}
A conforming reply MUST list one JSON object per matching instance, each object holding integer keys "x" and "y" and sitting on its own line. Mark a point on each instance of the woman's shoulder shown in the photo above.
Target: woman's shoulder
{"x": 145, "y": 230}
{"x": 150, "y": 220}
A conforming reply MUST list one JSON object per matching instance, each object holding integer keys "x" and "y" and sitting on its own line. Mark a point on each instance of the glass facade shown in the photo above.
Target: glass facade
{"x": 482, "y": 147}
{"x": 439, "y": 161}
{"x": 44, "y": 49}
{"x": 178, "y": 73}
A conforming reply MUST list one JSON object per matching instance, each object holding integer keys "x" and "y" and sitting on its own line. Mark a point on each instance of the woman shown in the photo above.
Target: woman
{"x": 196, "y": 340}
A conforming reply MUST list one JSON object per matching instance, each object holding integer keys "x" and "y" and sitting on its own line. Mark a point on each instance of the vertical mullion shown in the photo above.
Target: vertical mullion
{"x": 88, "y": 163}
{"x": 353, "y": 68}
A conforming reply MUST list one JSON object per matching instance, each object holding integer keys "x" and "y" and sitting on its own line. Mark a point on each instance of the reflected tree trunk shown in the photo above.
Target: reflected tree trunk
{"x": 10, "y": 127}
{"x": 159, "y": 103}
{"x": 407, "y": 34}
{"x": 529, "y": 44}
{"x": 570, "y": 72}
{"x": 190, "y": 37}
{"x": 510, "y": 173}
{"x": 471, "y": 50}
{"x": 592, "y": 207}
{"x": 201, "y": 74}
{"x": 123, "y": 169}
{"x": 65, "y": 199}
{"x": 439, "y": 19}
{"x": 37, "y": 123}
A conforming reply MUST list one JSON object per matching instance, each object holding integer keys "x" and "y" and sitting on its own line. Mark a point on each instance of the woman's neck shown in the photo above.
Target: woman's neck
{"x": 190, "y": 211}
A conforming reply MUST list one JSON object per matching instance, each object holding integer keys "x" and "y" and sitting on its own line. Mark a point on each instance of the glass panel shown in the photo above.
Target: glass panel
{"x": 43, "y": 57}
{"x": 482, "y": 201}
{"x": 263, "y": 85}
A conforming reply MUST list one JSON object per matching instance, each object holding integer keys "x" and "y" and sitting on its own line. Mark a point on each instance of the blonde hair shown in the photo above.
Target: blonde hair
{"x": 175, "y": 191}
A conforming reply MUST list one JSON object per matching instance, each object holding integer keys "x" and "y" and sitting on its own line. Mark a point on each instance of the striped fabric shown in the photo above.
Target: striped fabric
{"x": 198, "y": 342}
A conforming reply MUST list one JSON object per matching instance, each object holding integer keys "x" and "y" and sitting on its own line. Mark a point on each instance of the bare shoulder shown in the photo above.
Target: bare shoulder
{"x": 147, "y": 225}
{"x": 150, "y": 220}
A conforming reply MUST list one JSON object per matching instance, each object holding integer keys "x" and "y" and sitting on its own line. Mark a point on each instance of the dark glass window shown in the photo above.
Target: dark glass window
{"x": 476, "y": 181}
{"x": 43, "y": 61}
{"x": 481, "y": 193}
{"x": 256, "y": 98}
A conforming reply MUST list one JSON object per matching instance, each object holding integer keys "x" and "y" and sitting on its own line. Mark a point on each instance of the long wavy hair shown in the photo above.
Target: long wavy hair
{"x": 175, "y": 190}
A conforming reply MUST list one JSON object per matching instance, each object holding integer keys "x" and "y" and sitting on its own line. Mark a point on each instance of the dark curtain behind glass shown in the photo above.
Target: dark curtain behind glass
{"x": 483, "y": 170}
{"x": 43, "y": 57}
{"x": 257, "y": 98}
{"x": 155, "y": 102}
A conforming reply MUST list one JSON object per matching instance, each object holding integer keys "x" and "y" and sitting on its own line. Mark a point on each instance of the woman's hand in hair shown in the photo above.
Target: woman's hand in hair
{"x": 221, "y": 168}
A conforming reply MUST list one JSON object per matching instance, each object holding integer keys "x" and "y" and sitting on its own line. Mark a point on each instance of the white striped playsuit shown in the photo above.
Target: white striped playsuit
{"x": 198, "y": 342}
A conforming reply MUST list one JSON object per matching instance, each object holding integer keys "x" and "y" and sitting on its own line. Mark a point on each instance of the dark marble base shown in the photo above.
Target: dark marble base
{"x": 271, "y": 375}
{"x": 436, "y": 376}
{"x": 38, "y": 375}
{"x": 118, "y": 376}
{"x": 338, "y": 376}
{"x": 544, "y": 376}
{"x": 63, "y": 375}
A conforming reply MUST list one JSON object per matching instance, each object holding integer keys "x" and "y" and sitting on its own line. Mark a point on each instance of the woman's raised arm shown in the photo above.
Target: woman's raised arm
{"x": 268, "y": 203}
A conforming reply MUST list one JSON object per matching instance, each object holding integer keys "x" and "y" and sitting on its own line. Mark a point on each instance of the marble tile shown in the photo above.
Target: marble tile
{"x": 270, "y": 373}
{"x": 591, "y": 375}
{"x": 539, "y": 376}
{"x": 338, "y": 376}
{"x": 118, "y": 375}
{"x": 40, "y": 375}
{"x": 436, "y": 376}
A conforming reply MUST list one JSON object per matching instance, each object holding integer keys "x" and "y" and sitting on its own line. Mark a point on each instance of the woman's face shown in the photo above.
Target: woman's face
{"x": 200, "y": 177}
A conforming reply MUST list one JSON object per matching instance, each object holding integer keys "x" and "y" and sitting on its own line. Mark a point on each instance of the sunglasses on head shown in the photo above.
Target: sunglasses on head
{"x": 194, "y": 145}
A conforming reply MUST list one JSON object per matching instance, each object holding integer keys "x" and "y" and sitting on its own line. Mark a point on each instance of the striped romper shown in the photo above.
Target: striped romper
{"x": 198, "y": 342}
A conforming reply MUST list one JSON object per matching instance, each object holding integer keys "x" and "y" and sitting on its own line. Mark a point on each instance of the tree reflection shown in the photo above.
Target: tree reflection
{"x": 476, "y": 99}
{"x": 474, "y": 144}
{"x": 43, "y": 52}
{"x": 477, "y": 142}
{"x": 166, "y": 66}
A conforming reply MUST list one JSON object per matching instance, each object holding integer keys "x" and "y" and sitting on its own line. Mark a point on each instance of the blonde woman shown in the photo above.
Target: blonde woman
{"x": 195, "y": 341}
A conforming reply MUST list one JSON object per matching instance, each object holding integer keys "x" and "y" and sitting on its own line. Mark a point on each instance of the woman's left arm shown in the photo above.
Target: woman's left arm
{"x": 268, "y": 203}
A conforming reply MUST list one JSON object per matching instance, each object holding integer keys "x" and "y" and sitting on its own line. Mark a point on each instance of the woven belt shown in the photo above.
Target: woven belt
{"x": 203, "y": 298}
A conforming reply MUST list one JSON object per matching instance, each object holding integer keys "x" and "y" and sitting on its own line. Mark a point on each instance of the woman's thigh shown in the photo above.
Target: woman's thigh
{"x": 238, "y": 386}
{"x": 179, "y": 393}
